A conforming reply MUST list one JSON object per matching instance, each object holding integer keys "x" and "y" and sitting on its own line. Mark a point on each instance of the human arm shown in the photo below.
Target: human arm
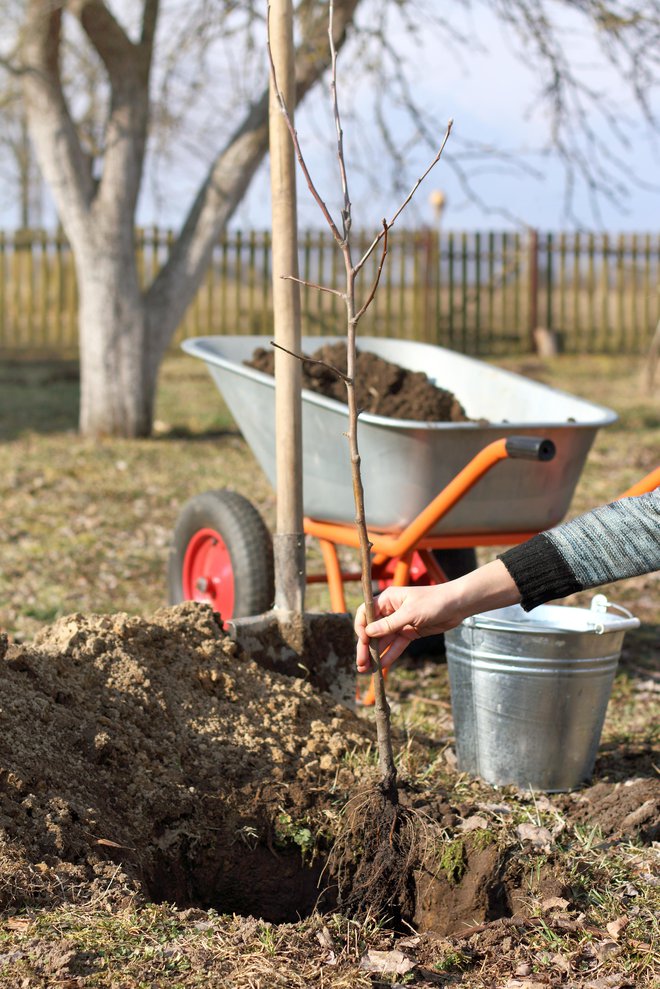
{"x": 407, "y": 613}
{"x": 606, "y": 544}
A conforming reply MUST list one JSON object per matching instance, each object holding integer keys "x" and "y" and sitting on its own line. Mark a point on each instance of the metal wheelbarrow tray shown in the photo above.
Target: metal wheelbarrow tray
{"x": 405, "y": 463}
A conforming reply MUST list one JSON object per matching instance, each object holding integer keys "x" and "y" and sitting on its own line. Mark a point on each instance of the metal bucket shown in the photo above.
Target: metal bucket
{"x": 529, "y": 691}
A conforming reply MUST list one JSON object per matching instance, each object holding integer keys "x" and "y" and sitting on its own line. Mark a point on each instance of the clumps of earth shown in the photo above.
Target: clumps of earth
{"x": 382, "y": 388}
{"x": 158, "y": 746}
{"x": 153, "y": 760}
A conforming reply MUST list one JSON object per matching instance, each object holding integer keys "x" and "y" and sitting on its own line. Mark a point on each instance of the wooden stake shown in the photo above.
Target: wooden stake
{"x": 289, "y": 542}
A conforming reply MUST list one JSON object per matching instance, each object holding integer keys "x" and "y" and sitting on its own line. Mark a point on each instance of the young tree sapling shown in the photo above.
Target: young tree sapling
{"x": 354, "y": 311}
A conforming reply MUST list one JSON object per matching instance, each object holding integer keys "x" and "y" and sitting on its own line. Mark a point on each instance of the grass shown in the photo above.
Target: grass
{"x": 85, "y": 527}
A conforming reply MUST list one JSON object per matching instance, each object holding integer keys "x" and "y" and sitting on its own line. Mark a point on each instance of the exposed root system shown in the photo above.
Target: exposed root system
{"x": 374, "y": 860}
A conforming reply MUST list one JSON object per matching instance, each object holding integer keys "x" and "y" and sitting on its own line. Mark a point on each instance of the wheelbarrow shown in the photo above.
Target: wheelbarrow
{"x": 432, "y": 494}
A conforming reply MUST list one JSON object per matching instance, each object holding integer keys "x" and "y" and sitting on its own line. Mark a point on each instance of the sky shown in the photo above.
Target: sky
{"x": 483, "y": 87}
{"x": 488, "y": 95}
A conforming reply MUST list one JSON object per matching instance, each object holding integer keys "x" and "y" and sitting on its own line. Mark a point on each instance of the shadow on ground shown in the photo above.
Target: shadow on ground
{"x": 38, "y": 396}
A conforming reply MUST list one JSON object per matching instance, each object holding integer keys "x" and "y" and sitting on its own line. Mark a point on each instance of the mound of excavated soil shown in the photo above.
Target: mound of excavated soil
{"x": 159, "y": 746}
{"x": 382, "y": 388}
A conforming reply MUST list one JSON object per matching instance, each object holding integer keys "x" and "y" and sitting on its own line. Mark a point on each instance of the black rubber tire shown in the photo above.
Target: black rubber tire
{"x": 248, "y": 542}
{"x": 455, "y": 563}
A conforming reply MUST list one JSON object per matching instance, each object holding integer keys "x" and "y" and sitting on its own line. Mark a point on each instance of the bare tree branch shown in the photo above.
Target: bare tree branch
{"x": 64, "y": 162}
{"x": 398, "y": 212}
{"x": 230, "y": 175}
{"x": 106, "y": 35}
{"x": 346, "y": 210}
{"x": 313, "y": 360}
{"x": 374, "y": 287}
{"x": 320, "y": 288}
{"x": 296, "y": 145}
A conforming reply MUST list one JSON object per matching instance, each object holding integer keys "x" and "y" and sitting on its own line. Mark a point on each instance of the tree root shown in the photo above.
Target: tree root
{"x": 374, "y": 859}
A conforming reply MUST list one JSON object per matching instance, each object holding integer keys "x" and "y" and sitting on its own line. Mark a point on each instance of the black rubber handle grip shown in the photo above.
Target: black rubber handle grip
{"x": 530, "y": 448}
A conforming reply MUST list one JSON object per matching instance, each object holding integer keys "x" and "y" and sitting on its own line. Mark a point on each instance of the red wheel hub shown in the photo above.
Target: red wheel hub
{"x": 207, "y": 573}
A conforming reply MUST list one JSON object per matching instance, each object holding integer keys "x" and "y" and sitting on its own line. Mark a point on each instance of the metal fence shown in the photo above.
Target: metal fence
{"x": 480, "y": 293}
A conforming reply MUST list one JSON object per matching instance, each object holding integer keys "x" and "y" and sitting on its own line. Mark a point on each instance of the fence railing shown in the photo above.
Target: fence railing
{"x": 480, "y": 293}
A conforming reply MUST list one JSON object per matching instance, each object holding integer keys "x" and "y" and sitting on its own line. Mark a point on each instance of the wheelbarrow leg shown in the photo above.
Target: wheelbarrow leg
{"x": 433, "y": 568}
{"x": 333, "y": 573}
{"x": 402, "y": 571}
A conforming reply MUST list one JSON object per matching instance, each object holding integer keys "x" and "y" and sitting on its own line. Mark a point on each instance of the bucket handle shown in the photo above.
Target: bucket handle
{"x": 506, "y": 624}
{"x": 600, "y": 604}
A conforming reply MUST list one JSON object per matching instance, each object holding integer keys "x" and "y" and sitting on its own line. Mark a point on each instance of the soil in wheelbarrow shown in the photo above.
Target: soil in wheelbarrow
{"x": 150, "y": 759}
{"x": 382, "y": 388}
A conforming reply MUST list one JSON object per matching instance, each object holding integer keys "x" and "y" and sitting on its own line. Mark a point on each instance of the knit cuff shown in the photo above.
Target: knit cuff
{"x": 539, "y": 571}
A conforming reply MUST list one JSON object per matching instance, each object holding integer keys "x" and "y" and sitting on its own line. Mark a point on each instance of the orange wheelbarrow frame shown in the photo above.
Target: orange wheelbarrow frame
{"x": 395, "y": 550}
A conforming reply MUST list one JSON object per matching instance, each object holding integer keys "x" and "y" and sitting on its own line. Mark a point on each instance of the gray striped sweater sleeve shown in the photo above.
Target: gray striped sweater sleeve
{"x": 607, "y": 544}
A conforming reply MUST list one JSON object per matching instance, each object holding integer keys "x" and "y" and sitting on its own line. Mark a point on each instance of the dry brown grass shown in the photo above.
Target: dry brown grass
{"x": 85, "y": 527}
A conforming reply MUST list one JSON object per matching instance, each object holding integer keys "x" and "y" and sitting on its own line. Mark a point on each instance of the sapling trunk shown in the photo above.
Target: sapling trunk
{"x": 386, "y": 762}
{"x": 341, "y": 233}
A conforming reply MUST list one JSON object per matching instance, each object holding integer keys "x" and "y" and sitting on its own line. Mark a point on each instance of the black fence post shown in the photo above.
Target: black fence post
{"x": 533, "y": 287}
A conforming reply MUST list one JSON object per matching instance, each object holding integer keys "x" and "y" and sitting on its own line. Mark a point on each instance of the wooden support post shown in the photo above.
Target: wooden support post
{"x": 289, "y": 542}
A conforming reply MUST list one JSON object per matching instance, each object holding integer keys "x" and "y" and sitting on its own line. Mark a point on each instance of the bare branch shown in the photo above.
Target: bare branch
{"x": 374, "y": 287}
{"x": 312, "y": 360}
{"x": 149, "y": 21}
{"x": 106, "y": 34}
{"x": 62, "y": 159}
{"x": 405, "y": 202}
{"x": 320, "y": 288}
{"x": 423, "y": 175}
{"x": 296, "y": 144}
{"x": 346, "y": 211}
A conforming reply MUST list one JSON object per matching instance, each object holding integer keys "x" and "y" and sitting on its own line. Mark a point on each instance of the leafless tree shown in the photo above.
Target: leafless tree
{"x": 125, "y": 329}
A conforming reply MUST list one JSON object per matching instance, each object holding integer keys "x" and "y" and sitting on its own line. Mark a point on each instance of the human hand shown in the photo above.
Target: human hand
{"x": 402, "y": 615}
{"x": 406, "y": 613}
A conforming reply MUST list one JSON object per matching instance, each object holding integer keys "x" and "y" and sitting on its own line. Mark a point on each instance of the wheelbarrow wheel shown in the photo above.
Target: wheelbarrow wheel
{"x": 222, "y": 554}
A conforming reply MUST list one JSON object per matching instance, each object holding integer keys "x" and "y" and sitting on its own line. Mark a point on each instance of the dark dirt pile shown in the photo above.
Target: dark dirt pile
{"x": 382, "y": 388}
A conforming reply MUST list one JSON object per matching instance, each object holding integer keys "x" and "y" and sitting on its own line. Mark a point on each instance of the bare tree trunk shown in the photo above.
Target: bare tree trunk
{"x": 386, "y": 764}
{"x": 118, "y": 368}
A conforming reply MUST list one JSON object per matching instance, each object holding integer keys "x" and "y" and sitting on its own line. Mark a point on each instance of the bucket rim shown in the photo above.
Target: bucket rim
{"x": 553, "y": 619}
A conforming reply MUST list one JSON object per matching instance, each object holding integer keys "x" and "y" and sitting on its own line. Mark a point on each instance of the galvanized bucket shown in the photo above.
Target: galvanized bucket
{"x": 529, "y": 691}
